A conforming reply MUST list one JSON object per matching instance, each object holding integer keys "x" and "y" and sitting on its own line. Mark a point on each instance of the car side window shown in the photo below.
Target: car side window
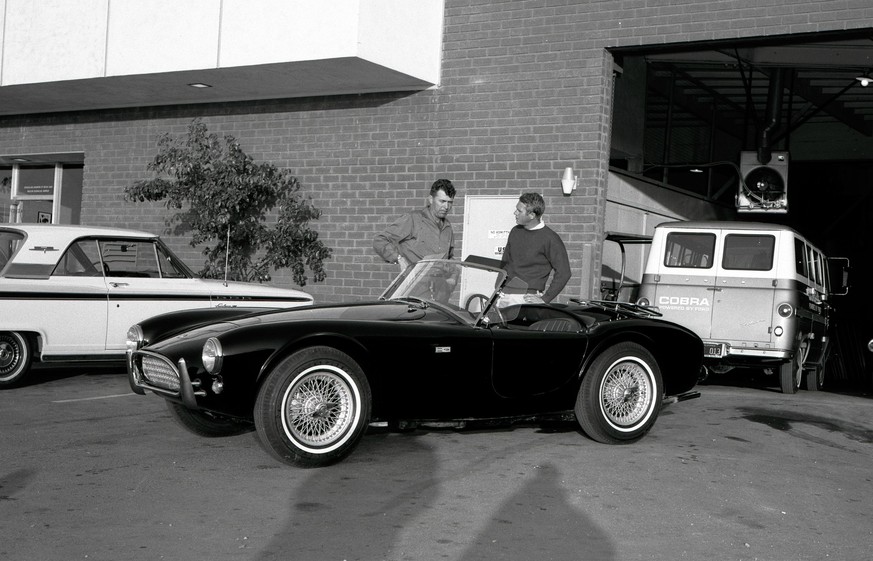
{"x": 129, "y": 258}
{"x": 691, "y": 250}
{"x": 750, "y": 252}
{"x": 9, "y": 244}
{"x": 82, "y": 259}
{"x": 169, "y": 269}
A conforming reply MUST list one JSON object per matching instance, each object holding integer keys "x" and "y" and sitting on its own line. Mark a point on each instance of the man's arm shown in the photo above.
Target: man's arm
{"x": 561, "y": 266}
{"x": 387, "y": 243}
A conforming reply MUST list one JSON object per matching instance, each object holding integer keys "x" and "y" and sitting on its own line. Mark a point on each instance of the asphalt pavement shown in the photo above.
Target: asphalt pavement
{"x": 91, "y": 471}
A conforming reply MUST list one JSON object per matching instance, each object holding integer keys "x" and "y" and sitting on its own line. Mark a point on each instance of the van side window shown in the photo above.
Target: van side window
{"x": 800, "y": 257}
{"x": 750, "y": 252}
{"x": 693, "y": 251}
{"x": 815, "y": 272}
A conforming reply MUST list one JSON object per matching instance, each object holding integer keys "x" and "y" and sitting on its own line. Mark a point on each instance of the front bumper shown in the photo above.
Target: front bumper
{"x": 150, "y": 371}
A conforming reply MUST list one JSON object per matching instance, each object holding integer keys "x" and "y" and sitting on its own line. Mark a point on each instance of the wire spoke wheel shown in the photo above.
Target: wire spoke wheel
{"x": 620, "y": 394}
{"x": 313, "y": 407}
{"x": 626, "y": 393}
{"x": 318, "y": 409}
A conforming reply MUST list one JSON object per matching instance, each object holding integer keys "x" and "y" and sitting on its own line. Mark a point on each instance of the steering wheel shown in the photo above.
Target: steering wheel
{"x": 480, "y": 298}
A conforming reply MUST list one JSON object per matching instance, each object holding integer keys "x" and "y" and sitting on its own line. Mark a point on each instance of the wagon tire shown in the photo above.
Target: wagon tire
{"x": 205, "y": 424}
{"x": 813, "y": 378}
{"x": 620, "y": 395}
{"x": 15, "y": 358}
{"x": 791, "y": 372}
{"x": 313, "y": 409}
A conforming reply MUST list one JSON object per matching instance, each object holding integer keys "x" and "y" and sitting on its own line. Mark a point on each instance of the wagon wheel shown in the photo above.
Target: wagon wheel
{"x": 791, "y": 372}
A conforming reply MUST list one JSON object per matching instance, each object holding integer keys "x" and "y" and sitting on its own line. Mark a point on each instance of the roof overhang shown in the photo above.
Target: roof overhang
{"x": 84, "y": 56}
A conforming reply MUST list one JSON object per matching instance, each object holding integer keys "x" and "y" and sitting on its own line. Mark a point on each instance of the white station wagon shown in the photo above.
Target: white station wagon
{"x": 69, "y": 293}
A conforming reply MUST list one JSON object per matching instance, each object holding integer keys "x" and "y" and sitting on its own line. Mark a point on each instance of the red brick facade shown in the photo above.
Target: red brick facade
{"x": 526, "y": 91}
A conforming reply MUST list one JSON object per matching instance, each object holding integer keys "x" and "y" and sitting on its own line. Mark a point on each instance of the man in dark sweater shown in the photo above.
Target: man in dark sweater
{"x": 533, "y": 251}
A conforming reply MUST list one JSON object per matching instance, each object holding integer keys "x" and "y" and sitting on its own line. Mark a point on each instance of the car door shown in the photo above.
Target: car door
{"x": 684, "y": 279}
{"x": 72, "y": 303}
{"x": 425, "y": 365}
{"x": 743, "y": 302}
{"x": 536, "y": 352}
{"x": 138, "y": 288}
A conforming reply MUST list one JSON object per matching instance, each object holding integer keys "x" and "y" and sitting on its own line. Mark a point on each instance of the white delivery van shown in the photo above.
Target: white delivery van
{"x": 757, "y": 294}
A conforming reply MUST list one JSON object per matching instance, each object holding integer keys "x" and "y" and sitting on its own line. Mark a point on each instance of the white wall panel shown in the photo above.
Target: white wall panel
{"x": 269, "y": 31}
{"x": 147, "y": 36}
{"x": 52, "y": 40}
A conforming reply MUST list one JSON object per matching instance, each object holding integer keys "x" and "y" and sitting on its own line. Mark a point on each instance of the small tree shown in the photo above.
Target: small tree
{"x": 224, "y": 193}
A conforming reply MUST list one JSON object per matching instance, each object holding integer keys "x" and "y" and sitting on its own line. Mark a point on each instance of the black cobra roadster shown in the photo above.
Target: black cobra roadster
{"x": 439, "y": 345}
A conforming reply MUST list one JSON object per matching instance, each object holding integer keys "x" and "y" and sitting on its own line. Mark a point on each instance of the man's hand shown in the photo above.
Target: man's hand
{"x": 402, "y": 262}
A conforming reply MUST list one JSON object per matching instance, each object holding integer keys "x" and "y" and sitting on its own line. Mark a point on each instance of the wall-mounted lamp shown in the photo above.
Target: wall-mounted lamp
{"x": 569, "y": 181}
{"x": 865, "y": 80}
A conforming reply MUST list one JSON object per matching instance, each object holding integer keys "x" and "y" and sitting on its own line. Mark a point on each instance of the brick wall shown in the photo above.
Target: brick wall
{"x": 526, "y": 91}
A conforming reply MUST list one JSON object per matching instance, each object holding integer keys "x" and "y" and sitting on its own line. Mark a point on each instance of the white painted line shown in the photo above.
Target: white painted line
{"x": 93, "y": 398}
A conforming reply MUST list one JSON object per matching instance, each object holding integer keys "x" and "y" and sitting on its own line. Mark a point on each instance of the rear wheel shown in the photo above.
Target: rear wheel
{"x": 813, "y": 378}
{"x": 205, "y": 424}
{"x": 313, "y": 408}
{"x": 15, "y": 355}
{"x": 791, "y": 372}
{"x": 620, "y": 395}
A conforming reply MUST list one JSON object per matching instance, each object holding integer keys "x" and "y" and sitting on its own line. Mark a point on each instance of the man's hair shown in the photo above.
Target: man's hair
{"x": 443, "y": 185}
{"x": 533, "y": 202}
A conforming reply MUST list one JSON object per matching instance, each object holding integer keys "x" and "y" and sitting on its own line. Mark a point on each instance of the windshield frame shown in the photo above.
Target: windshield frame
{"x": 470, "y": 278}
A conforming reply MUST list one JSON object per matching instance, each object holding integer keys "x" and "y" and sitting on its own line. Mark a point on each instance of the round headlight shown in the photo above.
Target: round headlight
{"x": 785, "y": 310}
{"x": 644, "y": 302}
{"x": 135, "y": 338}
{"x": 212, "y": 355}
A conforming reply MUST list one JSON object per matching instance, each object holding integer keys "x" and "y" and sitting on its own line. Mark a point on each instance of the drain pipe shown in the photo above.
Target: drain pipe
{"x": 774, "y": 112}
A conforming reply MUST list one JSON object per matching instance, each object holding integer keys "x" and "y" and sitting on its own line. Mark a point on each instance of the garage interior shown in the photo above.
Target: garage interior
{"x": 688, "y": 118}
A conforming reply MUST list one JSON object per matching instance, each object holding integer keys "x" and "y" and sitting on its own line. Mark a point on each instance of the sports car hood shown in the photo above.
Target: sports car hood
{"x": 367, "y": 311}
{"x": 375, "y": 311}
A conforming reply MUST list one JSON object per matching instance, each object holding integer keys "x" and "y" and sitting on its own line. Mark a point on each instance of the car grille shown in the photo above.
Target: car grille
{"x": 160, "y": 372}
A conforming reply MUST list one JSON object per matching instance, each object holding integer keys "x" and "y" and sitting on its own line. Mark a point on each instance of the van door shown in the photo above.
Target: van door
{"x": 686, "y": 278}
{"x": 743, "y": 299}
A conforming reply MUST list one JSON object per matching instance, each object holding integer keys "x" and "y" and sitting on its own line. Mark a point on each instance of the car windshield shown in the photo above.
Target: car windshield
{"x": 467, "y": 290}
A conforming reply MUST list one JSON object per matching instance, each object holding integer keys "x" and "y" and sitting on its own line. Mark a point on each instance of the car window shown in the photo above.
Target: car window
{"x": 171, "y": 267}
{"x": 9, "y": 244}
{"x": 692, "y": 250}
{"x": 750, "y": 252}
{"x": 800, "y": 258}
{"x": 82, "y": 259}
{"x": 129, "y": 258}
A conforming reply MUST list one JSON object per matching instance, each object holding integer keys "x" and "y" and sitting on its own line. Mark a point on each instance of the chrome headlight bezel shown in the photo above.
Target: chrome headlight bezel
{"x": 212, "y": 355}
{"x": 135, "y": 338}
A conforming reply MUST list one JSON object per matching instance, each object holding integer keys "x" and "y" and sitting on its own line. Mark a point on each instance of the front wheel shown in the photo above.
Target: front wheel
{"x": 205, "y": 424}
{"x": 313, "y": 409}
{"x": 620, "y": 395}
{"x": 14, "y": 358}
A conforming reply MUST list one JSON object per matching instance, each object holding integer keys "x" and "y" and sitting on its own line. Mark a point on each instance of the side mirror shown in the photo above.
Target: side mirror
{"x": 838, "y": 275}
